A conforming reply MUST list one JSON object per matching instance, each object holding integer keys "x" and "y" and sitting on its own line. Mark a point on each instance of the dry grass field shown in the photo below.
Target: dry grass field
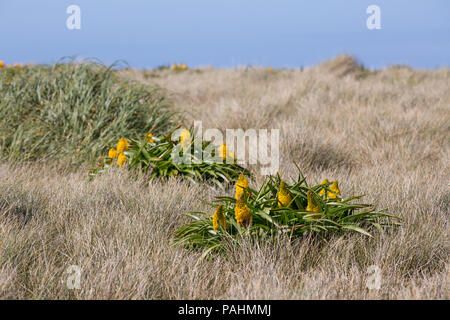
{"x": 385, "y": 134}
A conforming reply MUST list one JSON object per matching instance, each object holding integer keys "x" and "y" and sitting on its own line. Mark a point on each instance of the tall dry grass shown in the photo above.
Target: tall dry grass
{"x": 384, "y": 134}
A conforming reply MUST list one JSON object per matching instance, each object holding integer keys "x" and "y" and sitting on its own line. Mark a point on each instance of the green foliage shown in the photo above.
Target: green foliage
{"x": 72, "y": 111}
{"x": 155, "y": 158}
{"x": 270, "y": 221}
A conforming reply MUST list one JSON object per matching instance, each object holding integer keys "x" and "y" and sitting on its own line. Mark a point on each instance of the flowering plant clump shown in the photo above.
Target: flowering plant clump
{"x": 279, "y": 208}
{"x": 155, "y": 155}
{"x": 179, "y": 67}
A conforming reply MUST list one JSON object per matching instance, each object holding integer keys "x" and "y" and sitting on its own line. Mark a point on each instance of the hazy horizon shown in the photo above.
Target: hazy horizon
{"x": 282, "y": 33}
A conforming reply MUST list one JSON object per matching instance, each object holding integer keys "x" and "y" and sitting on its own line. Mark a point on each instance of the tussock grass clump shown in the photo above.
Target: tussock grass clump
{"x": 174, "y": 154}
{"x": 277, "y": 208}
{"x": 71, "y": 111}
{"x": 345, "y": 65}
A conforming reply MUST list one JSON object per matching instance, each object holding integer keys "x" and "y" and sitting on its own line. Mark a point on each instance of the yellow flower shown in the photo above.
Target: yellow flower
{"x": 121, "y": 159}
{"x": 8, "y": 66}
{"x": 174, "y": 67}
{"x": 185, "y": 138}
{"x": 1, "y": 64}
{"x": 312, "y": 204}
{"x": 150, "y": 138}
{"x": 183, "y": 66}
{"x": 336, "y": 192}
{"x": 224, "y": 152}
{"x": 112, "y": 153}
{"x": 219, "y": 219}
{"x": 270, "y": 69}
{"x": 323, "y": 192}
{"x": 123, "y": 145}
{"x": 241, "y": 185}
{"x": 242, "y": 213}
{"x": 16, "y": 65}
{"x": 284, "y": 198}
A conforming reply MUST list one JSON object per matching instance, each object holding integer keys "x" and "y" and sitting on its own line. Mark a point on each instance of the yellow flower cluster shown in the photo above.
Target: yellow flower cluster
{"x": 112, "y": 153}
{"x": 312, "y": 203}
{"x": 241, "y": 186}
{"x": 150, "y": 137}
{"x": 335, "y": 193}
{"x": 219, "y": 219}
{"x": 8, "y": 66}
{"x": 122, "y": 145}
{"x": 224, "y": 153}
{"x": 284, "y": 197}
{"x": 121, "y": 159}
{"x": 180, "y": 66}
{"x": 185, "y": 139}
{"x": 242, "y": 213}
{"x": 241, "y": 210}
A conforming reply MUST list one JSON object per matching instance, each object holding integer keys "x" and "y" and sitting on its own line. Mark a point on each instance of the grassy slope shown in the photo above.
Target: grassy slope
{"x": 73, "y": 112}
{"x": 384, "y": 134}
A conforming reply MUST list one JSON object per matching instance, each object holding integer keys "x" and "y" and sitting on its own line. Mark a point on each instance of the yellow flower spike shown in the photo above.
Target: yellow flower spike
{"x": 174, "y": 67}
{"x": 122, "y": 145}
{"x": 242, "y": 213}
{"x": 121, "y": 159}
{"x": 219, "y": 219}
{"x": 284, "y": 197}
{"x": 185, "y": 138}
{"x": 16, "y": 65}
{"x": 241, "y": 185}
{"x": 224, "y": 152}
{"x": 312, "y": 204}
{"x": 112, "y": 153}
{"x": 336, "y": 192}
{"x": 323, "y": 192}
{"x": 150, "y": 137}
{"x": 2, "y": 64}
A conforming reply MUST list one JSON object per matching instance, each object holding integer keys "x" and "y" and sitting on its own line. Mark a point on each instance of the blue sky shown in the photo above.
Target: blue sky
{"x": 225, "y": 33}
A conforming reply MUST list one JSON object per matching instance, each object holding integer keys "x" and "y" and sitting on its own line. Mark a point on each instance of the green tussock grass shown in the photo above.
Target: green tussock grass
{"x": 73, "y": 111}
